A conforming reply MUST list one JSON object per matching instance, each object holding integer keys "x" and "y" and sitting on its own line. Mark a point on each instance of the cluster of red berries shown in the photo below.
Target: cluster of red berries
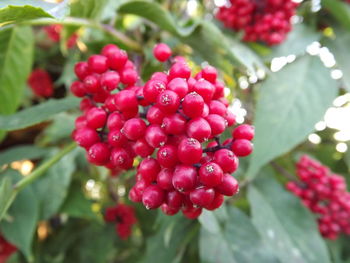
{"x": 124, "y": 218}
{"x": 6, "y": 249}
{"x": 325, "y": 194}
{"x": 267, "y": 21}
{"x": 175, "y": 115}
{"x": 54, "y": 34}
{"x": 41, "y": 83}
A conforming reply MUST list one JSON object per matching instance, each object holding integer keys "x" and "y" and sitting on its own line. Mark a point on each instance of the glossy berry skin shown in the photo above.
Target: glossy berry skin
{"x": 117, "y": 59}
{"x": 179, "y": 70}
{"x": 110, "y": 80}
{"x": 193, "y": 105}
{"x": 155, "y": 136}
{"x": 242, "y": 147}
{"x": 184, "y": 178}
{"x": 164, "y": 179}
{"x": 92, "y": 84}
{"x": 142, "y": 148}
{"x": 96, "y": 118}
{"x": 155, "y": 115}
{"x": 86, "y": 137}
{"x": 210, "y": 74}
{"x": 99, "y": 154}
{"x": 202, "y": 196}
{"x": 228, "y": 187}
{"x": 199, "y": 129}
{"x": 153, "y": 197}
{"x": 152, "y": 89}
{"x": 115, "y": 121}
{"x": 174, "y": 124}
{"x": 78, "y": 89}
{"x": 81, "y": 70}
{"x": 217, "y": 124}
{"x": 174, "y": 199}
{"x": 162, "y": 52}
{"x": 149, "y": 169}
{"x": 167, "y": 156}
{"x": 117, "y": 139}
{"x": 244, "y": 131}
{"x": 217, "y": 202}
{"x": 205, "y": 89}
{"x": 189, "y": 151}
{"x": 211, "y": 174}
{"x": 134, "y": 129}
{"x": 126, "y": 100}
{"x": 169, "y": 210}
{"x": 121, "y": 159}
{"x": 192, "y": 213}
{"x": 179, "y": 86}
{"x": 227, "y": 160}
{"x": 168, "y": 101}
{"x": 98, "y": 64}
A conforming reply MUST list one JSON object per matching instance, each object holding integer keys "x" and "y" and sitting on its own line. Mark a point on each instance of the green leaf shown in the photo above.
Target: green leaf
{"x": 6, "y": 194}
{"x": 37, "y": 114}
{"x": 87, "y": 8}
{"x": 298, "y": 39}
{"x": 201, "y": 36}
{"x": 16, "y": 55}
{"x": 56, "y": 182}
{"x": 15, "y": 14}
{"x": 76, "y": 204}
{"x": 20, "y": 227}
{"x": 286, "y": 226}
{"x": 340, "y": 49}
{"x": 339, "y": 10}
{"x": 236, "y": 241}
{"x": 22, "y": 152}
{"x": 290, "y": 102}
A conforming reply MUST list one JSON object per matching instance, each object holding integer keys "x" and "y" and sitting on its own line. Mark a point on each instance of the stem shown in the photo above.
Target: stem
{"x": 282, "y": 171}
{"x": 73, "y": 21}
{"x": 42, "y": 168}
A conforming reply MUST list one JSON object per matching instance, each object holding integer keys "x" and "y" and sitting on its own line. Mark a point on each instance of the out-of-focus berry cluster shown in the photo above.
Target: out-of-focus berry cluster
{"x": 6, "y": 249}
{"x": 325, "y": 194}
{"x": 40, "y": 83}
{"x": 173, "y": 122}
{"x": 54, "y": 34}
{"x": 267, "y": 21}
{"x": 124, "y": 218}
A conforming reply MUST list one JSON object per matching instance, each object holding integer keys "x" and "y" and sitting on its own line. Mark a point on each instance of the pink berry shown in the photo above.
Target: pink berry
{"x": 162, "y": 52}
{"x": 110, "y": 80}
{"x": 98, "y": 64}
{"x": 174, "y": 124}
{"x": 179, "y": 70}
{"x": 155, "y": 136}
{"x": 242, "y": 147}
{"x": 210, "y": 74}
{"x": 96, "y": 118}
{"x": 164, "y": 179}
{"x": 134, "y": 129}
{"x": 189, "y": 151}
{"x": 155, "y": 115}
{"x": 152, "y": 89}
{"x": 99, "y": 154}
{"x": 229, "y": 186}
{"x": 179, "y": 86}
{"x": 217, "y": 124}
{"x": 167, "y": 156}
{"x": 153, "y": 197}
{"x": 243, "y": 131}
{"x": 78, "y": 89}
{"x": 205, "y": 89}
{"x": 168, "y": 101}
{"x": 149, "y": 169}
{"x": 217, "y": 107}
{"x": 210, "y": 174}
{"x": 193, "y": 105}
{"x": 184, "y": 178}
{"x": 81, "y": 69}
{"x": 142, "y": 148}
{"x": 199, "y": 129}
{"x": 117, "y": 139}
{"x": 121, "y": 159}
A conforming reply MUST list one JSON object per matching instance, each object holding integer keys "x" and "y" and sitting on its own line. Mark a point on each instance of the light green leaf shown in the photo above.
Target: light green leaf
{"x": 6, "y": 194}
{"x": 16, "y": 57}
{"x": 287, "y": 227}
{"x": 237, "y": 241}
{"x": 56, "y": 182}
{"x": 37, "y": 114}
{"x": 290, "y": 103}
{"x": 87, "y": 8}
{"x": 22, "y": 152}
{"x": 340, "y": 49}
{"x": 340, "y": 10}
{"x": 298, "y": 39}
{"x": 20, "y": 227}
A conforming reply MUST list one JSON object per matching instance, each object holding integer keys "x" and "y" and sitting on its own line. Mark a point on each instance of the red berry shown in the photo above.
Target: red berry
{"x": 117, "y": 59}
{"x": 226, "y": 160}
{"x": 189, "y": 151}
{"x": 152, "y": 89}
{"x": 153, "y": 197}
{"x": 96, "y": 118}
{"x": 217, "y": 202}
{"x": 98, "y": 64}
{"x": 202, "y": 196}
{"x": 92, "y": 83}
{"x": 134, "y": 129}
{"x": 81, "y": 70}
{"x": 142, "y": 148}
{"x": 179, "y": 70}
{"x": 121, "y": 159}
{"x": 217, "y": 124}
{"x": 205, "y": 89}
{"x": 149, "y": 169}
{"x": 199, "y": 129}
{"x": 99, "y": 154}
{"x": 110, "y": 80}
{"x": 243, "y": 131}
{"x": 211, "y": 174}
{"x": 174, "y": 199}
{"x": 174, "y": 124}
{"x": 193, "y": 105}
{"x": 86, "y": 137}
{"x": 164, "y": 179}
{"x": 168, "y": 101}
{"x": 78, "y": 89}
{"x": 115, "y": 121}
{"x": 126, "y": 100}
{"x": 209, "y": 73}
{"x": 242, "y": 147}
{"x": 155, "y": 115}
{"x": 129, "y": 76}
{"x": 155, "y": 136}
{"x": 162, "y": 52}
{"x": 117, "y": 139}
{"x": 184, "y": 178}
{"x": 179, "y": 86}
{"x": 192, "y": 213}
{"x": 167, "y": 156}
{"x": 229, "y": 186}
{"x": 217, "y": 107}
{"x": 169, "y": 210}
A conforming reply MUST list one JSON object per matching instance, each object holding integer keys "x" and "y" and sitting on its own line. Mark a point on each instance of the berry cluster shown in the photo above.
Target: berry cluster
{"x": 6, "y": 249}
{"x": 54, "y": 34}
{"x": 324, "y": 193}
{"x": 124, "y": 218}
{"x": 174, "y": 117}
{"x": 41, "y": 83}
{"x": 267, "y": 21}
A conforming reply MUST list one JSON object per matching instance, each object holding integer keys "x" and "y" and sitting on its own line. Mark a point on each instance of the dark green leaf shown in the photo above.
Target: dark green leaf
{"x": 340, "y": 49}
{"x": 286, "y": 226}
{"x": 19, "y": 228}
{"x": 76, "y": 204}
{"x": 16, "y": 55}
{"x": 290, "y": 102}
{"x": 56, "y": 131}
{"x": 340, "y": 10}
{"x": 236, "y": 240}
{"x": 298, "y": 39}
{"x": 56, "y": 182}
{"x": 87, "y": 8}
{"x": 22, "y": 152}
{"x": 37, "y": 114}
{"x": 6, "y": 194}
